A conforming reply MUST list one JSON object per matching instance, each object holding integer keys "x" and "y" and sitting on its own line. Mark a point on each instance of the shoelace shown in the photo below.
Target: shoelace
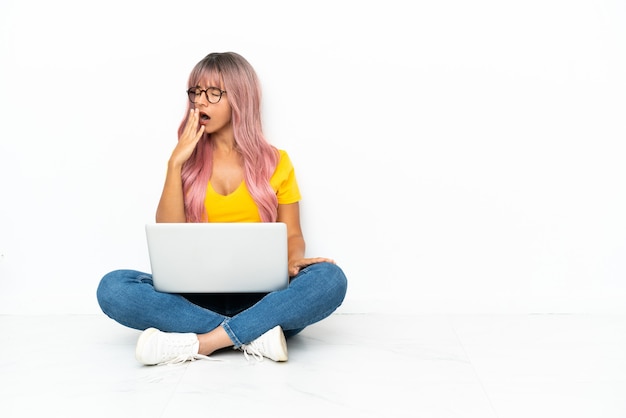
{"x": 181, "y": 358}
{"x": 251, "y": 350}
{"x": 184, "y": 355}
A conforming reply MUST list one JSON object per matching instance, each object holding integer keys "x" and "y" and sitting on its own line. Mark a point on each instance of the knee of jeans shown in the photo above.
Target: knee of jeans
{"x": 335, "y": 277}
{"x": 108, "y": 287}
{"x": 104, "y": 289}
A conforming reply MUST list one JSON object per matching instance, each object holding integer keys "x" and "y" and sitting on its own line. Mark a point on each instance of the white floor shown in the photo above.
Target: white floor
{"x": 507, "y": 366}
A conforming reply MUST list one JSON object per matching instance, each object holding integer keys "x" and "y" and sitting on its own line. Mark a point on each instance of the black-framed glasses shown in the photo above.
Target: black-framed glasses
{"x": 212, "y": 94}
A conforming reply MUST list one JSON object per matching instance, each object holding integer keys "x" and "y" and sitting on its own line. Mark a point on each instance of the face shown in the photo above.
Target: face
{"x": 214, "y": 116}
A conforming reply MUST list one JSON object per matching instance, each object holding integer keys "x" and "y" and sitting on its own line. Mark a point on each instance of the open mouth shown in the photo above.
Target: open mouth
{"x": 204, "y": 117}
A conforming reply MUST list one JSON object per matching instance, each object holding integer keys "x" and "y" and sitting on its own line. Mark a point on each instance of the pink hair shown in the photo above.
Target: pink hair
{"x": 259, "y": 157}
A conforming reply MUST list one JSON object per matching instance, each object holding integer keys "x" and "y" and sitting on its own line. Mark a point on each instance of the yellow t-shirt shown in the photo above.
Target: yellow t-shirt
{"x": 239, "y": 205}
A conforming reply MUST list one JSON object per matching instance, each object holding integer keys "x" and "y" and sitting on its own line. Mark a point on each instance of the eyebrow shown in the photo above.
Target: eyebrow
{"x": 209, "y": 87}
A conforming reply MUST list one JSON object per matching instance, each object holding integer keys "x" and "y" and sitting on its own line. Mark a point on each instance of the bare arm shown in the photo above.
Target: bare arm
{"x": 171, "y": 205}
{"x": 290, "y": 215}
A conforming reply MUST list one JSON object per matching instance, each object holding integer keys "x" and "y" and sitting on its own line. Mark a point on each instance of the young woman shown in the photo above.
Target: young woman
{"x": 224, "y": 170}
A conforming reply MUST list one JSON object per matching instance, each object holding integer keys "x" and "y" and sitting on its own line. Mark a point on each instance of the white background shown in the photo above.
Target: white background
{"x": 454, "y": 156}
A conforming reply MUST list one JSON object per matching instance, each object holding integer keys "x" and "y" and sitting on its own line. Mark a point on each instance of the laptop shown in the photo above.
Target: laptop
{"x": 218, "y": 257}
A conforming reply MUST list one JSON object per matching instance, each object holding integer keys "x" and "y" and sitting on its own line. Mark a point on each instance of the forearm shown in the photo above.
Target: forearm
{"x": 171, "y": 205}
{"x": 296, "y": 248}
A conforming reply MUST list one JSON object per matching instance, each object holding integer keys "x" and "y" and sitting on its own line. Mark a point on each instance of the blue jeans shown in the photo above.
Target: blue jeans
{"x": 129, "y": 297}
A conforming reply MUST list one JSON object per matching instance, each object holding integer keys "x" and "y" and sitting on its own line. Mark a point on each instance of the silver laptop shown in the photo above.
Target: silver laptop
{"x": 218, "y": 257}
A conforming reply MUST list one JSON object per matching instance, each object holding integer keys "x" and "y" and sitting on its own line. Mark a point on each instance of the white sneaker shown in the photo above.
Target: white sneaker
{"x": 272, "y": 345}
{"x": 157, "y": 347}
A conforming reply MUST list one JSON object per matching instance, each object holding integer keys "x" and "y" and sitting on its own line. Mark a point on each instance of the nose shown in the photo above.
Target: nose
{"x": 202, "y": 99}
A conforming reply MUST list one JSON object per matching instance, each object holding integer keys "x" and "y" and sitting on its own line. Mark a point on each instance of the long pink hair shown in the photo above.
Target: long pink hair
{"x": 259, "y": 157}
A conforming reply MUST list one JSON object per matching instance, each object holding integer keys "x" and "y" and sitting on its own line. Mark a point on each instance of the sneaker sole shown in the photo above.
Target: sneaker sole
{"x": 145, "y": 335}
{"x": 282, "y": 356}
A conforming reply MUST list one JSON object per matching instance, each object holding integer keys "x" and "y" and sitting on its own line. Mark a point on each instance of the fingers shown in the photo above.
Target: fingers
{"x": 188, "y": 139}
{"x": 198, "y": 134}
{"x": 310, "y": 261}
{"x": 300, "y": 264}
{"x": 191, "y": 130}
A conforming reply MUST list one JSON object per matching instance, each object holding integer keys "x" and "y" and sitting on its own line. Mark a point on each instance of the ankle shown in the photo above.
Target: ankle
{"x": 213, "y": 341}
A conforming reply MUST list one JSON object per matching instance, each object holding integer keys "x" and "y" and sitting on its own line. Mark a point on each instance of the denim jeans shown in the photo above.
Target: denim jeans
{"x": 129, "y": 297}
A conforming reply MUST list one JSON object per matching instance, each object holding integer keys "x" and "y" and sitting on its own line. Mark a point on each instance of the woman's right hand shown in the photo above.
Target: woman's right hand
{"x": 172, "y": 206}
{"x": 188, "y": 139}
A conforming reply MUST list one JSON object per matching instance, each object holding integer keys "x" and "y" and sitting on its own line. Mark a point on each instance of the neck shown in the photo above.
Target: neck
{"x": 224, "y": 144}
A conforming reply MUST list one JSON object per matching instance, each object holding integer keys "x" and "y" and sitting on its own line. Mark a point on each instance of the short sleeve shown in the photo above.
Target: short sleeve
{"x": 284, "y": 182}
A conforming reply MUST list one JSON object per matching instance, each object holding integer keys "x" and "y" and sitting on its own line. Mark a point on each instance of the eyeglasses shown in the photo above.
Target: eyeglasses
{"x": 213, "y": 94}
